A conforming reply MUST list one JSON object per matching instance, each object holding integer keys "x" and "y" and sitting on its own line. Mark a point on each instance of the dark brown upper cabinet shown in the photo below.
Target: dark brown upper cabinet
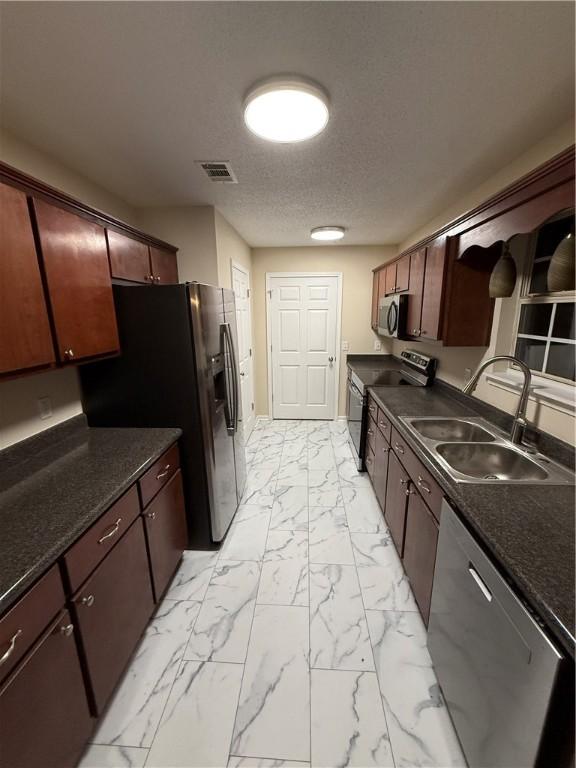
{"x": 163, "y": 266}
{"x": 137, "y": 262}
{"x": 25, "y": 337}
{"x": 375, "y": 298}
{"x": 416, "y": 292}
{"x": 75, "y": 259}
{"x": 430, "y": 327}
{"x": 391, "y": 278}
{"x": 129, "y": 258}
{"x": 402, "y": 274}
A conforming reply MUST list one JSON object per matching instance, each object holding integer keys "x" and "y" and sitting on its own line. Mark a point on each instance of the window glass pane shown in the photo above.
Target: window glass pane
{"x": 535, "y": 319}
{"x": 564, "y": 321}
{"x": 561, "y": 360}
{"x": 539, "y": 280}
{"x": 531, "y": 351}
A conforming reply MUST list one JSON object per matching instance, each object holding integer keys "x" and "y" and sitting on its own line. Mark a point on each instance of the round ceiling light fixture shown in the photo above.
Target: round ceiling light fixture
{"x": 286, "y": 110}
{"x": 327, "y": 233}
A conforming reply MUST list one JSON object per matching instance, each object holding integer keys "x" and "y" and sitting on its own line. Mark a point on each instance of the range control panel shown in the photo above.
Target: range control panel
{"x": 419, "y": 361}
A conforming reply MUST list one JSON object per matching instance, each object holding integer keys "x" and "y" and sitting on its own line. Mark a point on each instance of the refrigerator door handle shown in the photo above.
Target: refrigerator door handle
{"x": 229, "y": 402}
{"x": 235, "y": 382}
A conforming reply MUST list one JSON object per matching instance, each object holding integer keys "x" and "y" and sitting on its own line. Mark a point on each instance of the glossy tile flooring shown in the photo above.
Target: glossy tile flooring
{"x": 297, "y": 644}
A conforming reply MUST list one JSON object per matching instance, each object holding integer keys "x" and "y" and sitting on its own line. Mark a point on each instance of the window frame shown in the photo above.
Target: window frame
{"x": 552, "y": 297}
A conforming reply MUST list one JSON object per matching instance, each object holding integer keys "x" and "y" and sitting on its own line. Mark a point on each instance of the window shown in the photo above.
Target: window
{"x": 545, "y": 339}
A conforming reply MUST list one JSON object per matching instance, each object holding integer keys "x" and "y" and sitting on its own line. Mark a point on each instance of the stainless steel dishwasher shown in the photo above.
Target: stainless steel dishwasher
{"x": 495, "y": 665}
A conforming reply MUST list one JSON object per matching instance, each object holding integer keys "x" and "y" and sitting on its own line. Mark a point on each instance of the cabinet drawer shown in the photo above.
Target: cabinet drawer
{"x": 384, "y": 425}
{"x": 422, "y": 479}
{"x": 371, "y": 435}
{"x": 167, "y": 533}
{"x": 112, "y": 610}
{"x": 84, "y": 556}
{"x": 44, "y": 715}
{"x": 370, "y": 465}
{"x": 372, "y": 409}
{"x": 25, "y": 621}
{"x": 159, "y": 474}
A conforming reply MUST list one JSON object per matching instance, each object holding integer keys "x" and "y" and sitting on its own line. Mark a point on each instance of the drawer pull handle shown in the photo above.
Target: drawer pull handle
{"x": 371, "y": 408}
{"x": 88, "y": 601}
{"x": 370, "y": 432}
{"x": 422, "y": 484}
{"x": 403, "y": 482}
{"x": 399, "y": 448}
{"x": 480, "y": 582}
{"x": 383, "y": 424}
{"x": 66, "y": 630}
{"x": 151, "y": 515}
{"x": 409, "y": 491}
{"x": 11, "y": 647}
{"x": 112, "y": 532}
{"x": 385, "y": 450}
{"x": 164, "y": 472}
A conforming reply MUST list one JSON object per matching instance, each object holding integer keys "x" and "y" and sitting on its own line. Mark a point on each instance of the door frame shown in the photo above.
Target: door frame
{"x": 338, "y": 345}
{"x": 248, "y": 424}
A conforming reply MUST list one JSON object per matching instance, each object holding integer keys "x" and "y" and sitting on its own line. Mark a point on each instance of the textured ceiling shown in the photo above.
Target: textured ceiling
{"x": 428, "y": 100}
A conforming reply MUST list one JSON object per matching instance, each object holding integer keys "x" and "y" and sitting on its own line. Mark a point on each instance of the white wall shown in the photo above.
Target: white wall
{"x": 454, "y": 362}
{"x": 356, "y": 264}
{"x": 230, "y": 247}
{"x": 19, "y": 397}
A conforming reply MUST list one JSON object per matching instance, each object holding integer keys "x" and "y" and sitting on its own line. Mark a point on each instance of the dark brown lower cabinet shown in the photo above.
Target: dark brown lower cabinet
{"x": 381, "y": 451}
{"x": 165, "y": 520}
{"x": 396, "y": 501}
{"x": 45, "y": 720}
{"x": 419, "y": 557}
{"x": 112, "y": 609}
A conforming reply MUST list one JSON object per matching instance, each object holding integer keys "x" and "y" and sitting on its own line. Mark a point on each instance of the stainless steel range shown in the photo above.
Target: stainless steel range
{"x": 414, "y": 370}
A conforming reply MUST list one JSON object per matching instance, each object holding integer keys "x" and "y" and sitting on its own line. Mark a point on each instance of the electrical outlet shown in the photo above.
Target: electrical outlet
{"x": 44, "y": 407}
{"x": 345, "y": 346}
{"x": 377, "y": 345}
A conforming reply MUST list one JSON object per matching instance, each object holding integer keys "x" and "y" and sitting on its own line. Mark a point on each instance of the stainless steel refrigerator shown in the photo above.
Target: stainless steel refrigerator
{"x": 179, "y": 368}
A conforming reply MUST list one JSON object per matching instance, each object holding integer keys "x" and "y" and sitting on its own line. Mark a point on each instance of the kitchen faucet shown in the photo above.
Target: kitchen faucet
{"x": 519, "y": 423}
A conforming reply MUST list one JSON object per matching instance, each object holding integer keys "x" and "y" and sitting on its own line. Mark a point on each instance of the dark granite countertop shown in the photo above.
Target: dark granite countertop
{"x": 527, "y": 529}
{"x": 54, "y": 486}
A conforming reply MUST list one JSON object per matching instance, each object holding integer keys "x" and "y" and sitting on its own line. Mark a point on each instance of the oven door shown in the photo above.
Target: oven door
{"x": 355, "y": 413}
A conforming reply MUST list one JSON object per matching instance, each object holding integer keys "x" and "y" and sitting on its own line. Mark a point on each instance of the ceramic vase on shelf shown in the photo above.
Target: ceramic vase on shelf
{"x": 503, "y": 277}
{"x": 561, "y": 273}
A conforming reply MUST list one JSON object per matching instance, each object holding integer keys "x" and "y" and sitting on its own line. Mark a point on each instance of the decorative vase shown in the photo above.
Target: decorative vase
{"x": 503, "y": 277}
{"x": 561, "y": 272}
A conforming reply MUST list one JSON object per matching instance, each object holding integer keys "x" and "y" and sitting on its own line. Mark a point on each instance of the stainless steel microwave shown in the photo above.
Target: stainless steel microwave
{"x": 392, "y": 315}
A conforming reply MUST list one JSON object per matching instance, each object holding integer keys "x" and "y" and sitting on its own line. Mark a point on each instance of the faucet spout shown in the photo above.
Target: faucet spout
{"x": 519, "y": 423}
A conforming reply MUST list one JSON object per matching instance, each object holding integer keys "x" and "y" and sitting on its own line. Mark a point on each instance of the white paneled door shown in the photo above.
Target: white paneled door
{"x": 302, "y": 322}
{"x": 241, "y": 288}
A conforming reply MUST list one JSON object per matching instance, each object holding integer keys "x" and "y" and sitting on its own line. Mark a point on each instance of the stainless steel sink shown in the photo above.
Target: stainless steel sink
{"x": 490, "y": 461}
{"x": 453, "y": 430}
{"x": 471, "y": 450}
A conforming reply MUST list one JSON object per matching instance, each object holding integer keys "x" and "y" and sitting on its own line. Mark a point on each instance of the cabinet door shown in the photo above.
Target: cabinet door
{"x": 25, "y": 338}
{"x": 396, "y": 501}
{"x": 420, "y": 551}
{"x": 391, "y": 278}
{"x": 402, "y": 273}
{"x": 44, "y": 715}
{"x": 415, "y": 292}
{"x": 80, "y": 291}
{"x": 112, "y": 610}
{"x": 164, "y": 266}
{"x": 375, "y": 296}
{"x": 381, "y": 451}
{"x": 433, "y": 284}
{"x": 129, "y": 259}
{"x": 166, "y": 532}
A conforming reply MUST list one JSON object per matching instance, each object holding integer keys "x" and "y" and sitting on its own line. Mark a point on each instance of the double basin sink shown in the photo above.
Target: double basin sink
{"x": 472, "y": 451}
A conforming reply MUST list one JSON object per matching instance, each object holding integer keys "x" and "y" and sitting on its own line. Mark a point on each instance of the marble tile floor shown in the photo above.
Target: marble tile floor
{"x": 298, "y": 643}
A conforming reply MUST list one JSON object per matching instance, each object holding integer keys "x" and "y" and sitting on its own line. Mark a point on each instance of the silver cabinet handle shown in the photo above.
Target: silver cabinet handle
{"x": 480, "y": 582}
{"x": 385, "y": 450}
{"x": 88, "y": 601}
{"x": 69, "y": 354}
{"x": 112, "y": 532}
{"x": 150, "y": 278}
{"x": 157, "y": 279}
{"x": 164, "y": 472}
{"x": 422, "y": 484}
{"x": 398, "y": 447}
{"x": 66, "y": 630}
{"x": 370, "y": 431}
{"x": 151, "y": 515}
{"x": 4, "y": 658}
{"x": 403, "y": 482}
{"x": 409, "y": 491}
{"x": 371, "y": 408}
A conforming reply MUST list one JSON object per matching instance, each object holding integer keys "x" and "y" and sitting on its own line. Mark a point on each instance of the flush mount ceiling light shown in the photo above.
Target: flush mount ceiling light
{"x": 327, "y": 233}
{"x": 286, "y": 110}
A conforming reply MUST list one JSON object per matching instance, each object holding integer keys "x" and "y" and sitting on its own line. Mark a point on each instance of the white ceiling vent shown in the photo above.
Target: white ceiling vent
{"x": 219, "y": 171}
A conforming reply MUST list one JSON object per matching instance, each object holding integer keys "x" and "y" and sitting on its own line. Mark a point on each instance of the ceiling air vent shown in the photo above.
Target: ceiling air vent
{"x": 219, "y": 171}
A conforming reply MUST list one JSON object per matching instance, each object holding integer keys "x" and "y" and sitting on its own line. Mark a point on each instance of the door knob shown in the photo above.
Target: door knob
{"x": 330, "y": 359}
{"x": 242, "y": 373}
